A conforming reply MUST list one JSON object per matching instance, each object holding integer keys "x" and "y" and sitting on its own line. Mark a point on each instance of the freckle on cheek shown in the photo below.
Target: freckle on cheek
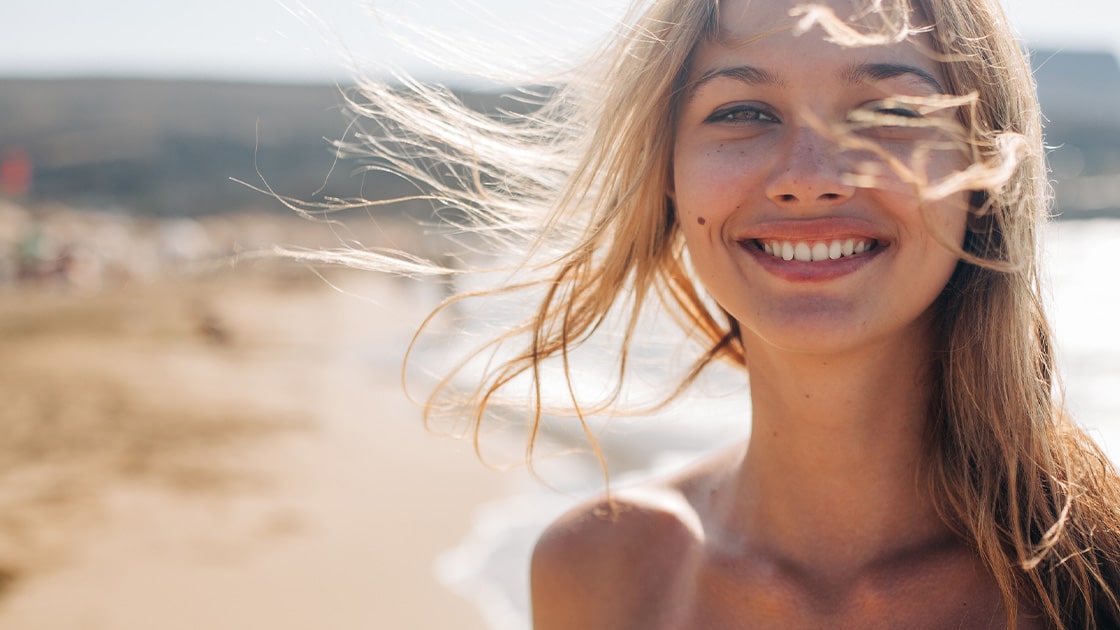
{"x": 701, "y": 220}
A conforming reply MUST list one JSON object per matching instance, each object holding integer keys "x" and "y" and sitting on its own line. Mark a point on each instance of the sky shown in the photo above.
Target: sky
{"x": 301, "y": 40}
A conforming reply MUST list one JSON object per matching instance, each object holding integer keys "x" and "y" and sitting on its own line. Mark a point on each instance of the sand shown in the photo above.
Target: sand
{"x": 229, "y": 450}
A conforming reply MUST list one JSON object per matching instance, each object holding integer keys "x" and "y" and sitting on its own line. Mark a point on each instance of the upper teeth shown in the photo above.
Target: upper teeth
{"x": 806, "y": 251}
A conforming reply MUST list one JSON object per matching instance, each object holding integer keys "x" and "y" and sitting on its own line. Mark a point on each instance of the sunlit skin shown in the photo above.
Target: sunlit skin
{"x": 821, "y": 520}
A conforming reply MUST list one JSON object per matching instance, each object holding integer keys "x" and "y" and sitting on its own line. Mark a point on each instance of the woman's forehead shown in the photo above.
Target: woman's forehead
{"x": 744, "y": 20}
{"x": 791, "y": 31}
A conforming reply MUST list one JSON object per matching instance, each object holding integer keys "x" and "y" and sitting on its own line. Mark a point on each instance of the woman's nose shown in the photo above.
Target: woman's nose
{"x": 809, "y": 172}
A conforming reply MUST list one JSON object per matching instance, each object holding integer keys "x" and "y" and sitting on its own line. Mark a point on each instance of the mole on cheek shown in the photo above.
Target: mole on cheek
{"x": 701, "y": 220}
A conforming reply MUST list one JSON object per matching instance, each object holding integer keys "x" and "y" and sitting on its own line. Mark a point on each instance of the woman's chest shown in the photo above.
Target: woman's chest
{"x": 715, "y": 597}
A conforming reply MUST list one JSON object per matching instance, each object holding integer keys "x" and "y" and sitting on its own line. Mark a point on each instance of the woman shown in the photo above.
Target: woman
{"x": 857, "y": 186}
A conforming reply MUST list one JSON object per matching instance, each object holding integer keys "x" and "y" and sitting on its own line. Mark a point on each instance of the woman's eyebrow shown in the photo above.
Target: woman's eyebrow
{"x": 865, "y": 72}
{"x": 855, "y": 73}
{"x": 744, "y": 74}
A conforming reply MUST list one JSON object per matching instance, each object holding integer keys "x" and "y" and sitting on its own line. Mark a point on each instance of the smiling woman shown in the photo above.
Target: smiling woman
{"x": 755, "y": 166}
{"x": 841, "y": 199}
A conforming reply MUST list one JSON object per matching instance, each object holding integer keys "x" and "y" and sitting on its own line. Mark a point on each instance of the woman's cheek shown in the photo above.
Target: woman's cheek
{"x": 705, "y": 186}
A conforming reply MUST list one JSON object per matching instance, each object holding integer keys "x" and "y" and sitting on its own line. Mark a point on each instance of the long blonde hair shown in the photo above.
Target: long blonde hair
{"x": 1010, "y": 471}
{"x": 581, "y": 180}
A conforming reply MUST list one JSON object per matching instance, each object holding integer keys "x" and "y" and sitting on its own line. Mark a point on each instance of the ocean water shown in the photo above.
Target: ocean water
{"x": 1084, "y": 305}
{"x": 490, "y": 565}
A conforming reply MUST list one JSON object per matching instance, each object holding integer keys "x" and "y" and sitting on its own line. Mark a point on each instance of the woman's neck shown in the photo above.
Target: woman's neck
{"x": 831, "y": 476}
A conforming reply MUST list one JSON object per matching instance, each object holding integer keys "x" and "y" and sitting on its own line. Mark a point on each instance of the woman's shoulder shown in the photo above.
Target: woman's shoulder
{"x": 615, "y": 558}
{"x": 669, "y": 511}
{"x": 605, "y": 560}
{"x": 625, "y": 521}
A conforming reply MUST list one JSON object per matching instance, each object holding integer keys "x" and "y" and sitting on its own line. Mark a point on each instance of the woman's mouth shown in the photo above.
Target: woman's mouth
{"x": 815, "y": 251}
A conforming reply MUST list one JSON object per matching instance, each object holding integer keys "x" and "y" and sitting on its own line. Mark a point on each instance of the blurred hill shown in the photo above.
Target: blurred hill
{"x": 169, "y": 149}
{"x": 1080, "y": 97}
{"x": 165, "y": 148}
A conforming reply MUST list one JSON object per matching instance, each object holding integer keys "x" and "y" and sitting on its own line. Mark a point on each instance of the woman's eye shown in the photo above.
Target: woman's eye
{"x": 889, "y": 120}
{"x": 742, "y": 114}
{"x": 898, "y": 112}
{"x": 883, "y": 111}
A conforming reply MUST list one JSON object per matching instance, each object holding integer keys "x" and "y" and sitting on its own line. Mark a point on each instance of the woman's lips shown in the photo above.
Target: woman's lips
{"x": 814, "y": 249}
{"x": 813, "y": 260}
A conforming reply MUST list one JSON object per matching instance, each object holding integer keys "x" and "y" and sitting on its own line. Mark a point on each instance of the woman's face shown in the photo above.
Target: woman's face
{"x": 812, "y": 243}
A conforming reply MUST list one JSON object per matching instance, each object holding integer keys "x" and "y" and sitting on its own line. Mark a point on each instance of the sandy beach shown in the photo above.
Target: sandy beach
{"x": 225, "y": 450}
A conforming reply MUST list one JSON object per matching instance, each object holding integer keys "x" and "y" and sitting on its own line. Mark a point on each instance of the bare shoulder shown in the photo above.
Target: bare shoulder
{"x": 608, "y": 562}
{"x": 626, "y": 562}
